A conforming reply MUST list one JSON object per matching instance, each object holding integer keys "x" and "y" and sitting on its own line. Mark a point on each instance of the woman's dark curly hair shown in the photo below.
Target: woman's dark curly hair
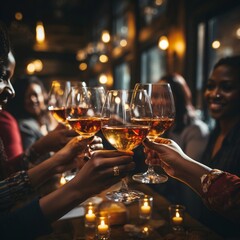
{"x": 4, "y": 43}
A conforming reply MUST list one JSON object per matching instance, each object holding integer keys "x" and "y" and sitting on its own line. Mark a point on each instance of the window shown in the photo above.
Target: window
{"x": 122, "y": 76}
{"x": 153, "y": 65}
{"x": 218, "y": 37}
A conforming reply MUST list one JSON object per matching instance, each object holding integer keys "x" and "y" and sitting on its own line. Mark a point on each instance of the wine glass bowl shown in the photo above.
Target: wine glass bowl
{"x": 57, "y": 99}
{"x": 83, "y": 110}
{"x": 163, "y": 109}
{"x": 125, "y": 124}
{"x": 58, "y": 96}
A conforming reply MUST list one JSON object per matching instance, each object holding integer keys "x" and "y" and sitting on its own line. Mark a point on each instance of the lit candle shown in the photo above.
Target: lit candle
{"x": 145, "y": 208}
{"x": 90, "y": 216}
{"x": 102, "y": 227}
{"x": 177, "y": 219}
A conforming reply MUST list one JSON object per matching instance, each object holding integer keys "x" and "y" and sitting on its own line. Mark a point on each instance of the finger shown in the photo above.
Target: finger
{"x": 98, "y": 146}
{"x": 97, "y": 139}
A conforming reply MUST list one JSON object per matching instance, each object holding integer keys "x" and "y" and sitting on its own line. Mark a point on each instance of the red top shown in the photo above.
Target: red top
{"x": 10, "y": 134}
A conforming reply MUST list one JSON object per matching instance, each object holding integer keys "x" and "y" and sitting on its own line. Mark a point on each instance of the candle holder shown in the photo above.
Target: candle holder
{"x": 145, "y": 207}
{"x": 90, "y": 215}
{"x": 103, "y": 226}
{"x": 176, "y": 214}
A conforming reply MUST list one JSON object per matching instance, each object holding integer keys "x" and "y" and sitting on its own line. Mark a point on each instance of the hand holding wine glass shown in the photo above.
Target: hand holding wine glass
{"x": 125, "y": 124}
{"x": 163, "y": 108}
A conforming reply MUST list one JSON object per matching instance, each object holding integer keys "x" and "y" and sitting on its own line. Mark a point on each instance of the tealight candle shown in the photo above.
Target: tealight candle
{"x": 145, "y": 207}
{"x": 90, "y": 216}
{"x": 176, "y": 213}
{"x": 103, "y": 227}
{"x": 177, "y": 219}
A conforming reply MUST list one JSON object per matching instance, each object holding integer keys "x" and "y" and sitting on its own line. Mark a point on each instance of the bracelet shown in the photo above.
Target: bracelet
{"x": 209, "y": 178}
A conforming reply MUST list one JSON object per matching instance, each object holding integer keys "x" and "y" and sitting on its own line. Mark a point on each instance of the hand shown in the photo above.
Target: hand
{"x": 54, "y": 140}
{"x": 168, "y": 155}
{"x": 98, "y": 171}
{"x": 65, "y": 159}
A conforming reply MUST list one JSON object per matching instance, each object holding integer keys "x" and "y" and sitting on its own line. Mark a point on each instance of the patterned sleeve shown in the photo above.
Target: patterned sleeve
{"x": 14, "y": 188}
{"x": 221, "y": 192}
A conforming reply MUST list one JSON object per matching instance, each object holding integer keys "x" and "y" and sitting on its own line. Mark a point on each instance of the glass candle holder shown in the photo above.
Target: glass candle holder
{"x": 90, "y": 215}
{"x": 145, "y": 207}
{"x": 176, "y": 214}
{"x": 103, "y": 226}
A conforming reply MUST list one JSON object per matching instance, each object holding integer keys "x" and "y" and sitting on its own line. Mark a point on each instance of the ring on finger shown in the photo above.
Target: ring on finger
{"x": 116, "y": 171}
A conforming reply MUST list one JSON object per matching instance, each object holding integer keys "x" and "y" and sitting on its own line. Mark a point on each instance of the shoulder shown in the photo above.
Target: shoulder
{"x": 197, "y": 127}
{"x": 7, "y": 121}
{"x": 6, "y": 116}
{"x": 29, "y": 126}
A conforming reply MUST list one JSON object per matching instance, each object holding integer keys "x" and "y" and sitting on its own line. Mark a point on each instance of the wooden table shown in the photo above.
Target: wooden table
{"x": 73, "y": 228}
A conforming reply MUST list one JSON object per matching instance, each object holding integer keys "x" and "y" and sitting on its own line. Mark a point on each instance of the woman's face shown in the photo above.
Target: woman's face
{"x": 223, "y": 93}
{"x": 34, "y": 100}
{"x": 6, "y": 72}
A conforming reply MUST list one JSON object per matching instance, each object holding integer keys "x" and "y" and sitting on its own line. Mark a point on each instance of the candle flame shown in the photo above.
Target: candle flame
{"x": 177, "y": 214}
{"x": 145, "y": 204}
{"x": 90, "y": 211}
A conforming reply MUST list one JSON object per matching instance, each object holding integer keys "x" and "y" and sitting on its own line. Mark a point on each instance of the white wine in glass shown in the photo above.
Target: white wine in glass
{"x": 121, "y": 110}
{"x": 58, "y": 96}
{"x": 83, "y": 110}
{"x": 163, "y": 108}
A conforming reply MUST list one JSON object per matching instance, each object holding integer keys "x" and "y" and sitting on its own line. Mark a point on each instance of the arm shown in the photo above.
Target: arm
{"x": 10, "y": 134}
{"x": 95, "y": 176}
{"x": 21, "y": 183}
{"x": 219, "y": 190}
{"x": 176, "y": 163}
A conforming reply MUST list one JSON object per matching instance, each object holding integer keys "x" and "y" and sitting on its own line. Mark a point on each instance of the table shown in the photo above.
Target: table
{"x": 73, "y": 228}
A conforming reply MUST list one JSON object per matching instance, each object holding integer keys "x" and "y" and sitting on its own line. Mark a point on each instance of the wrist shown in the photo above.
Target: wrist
{"x": 31, "y": 155}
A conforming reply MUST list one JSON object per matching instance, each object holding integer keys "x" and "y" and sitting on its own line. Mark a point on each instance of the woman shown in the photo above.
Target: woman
{"x": 222, "y": 95}
{"x": 34, "y": 218}
{"x": 222, "y": 152}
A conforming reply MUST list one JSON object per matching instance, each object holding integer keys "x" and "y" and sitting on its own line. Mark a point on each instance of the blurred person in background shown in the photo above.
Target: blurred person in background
{"x": 30, "y": 110}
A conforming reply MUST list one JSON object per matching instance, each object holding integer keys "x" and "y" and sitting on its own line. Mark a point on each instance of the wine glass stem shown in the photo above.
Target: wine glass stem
{"x": 150, "y": 169}
{"x": 124, "y": 186}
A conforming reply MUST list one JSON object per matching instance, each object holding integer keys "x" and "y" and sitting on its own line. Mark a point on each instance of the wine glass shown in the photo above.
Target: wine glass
{"x": 57, "y": 107}
{"x": 125, "y": 124}
{"x": 83, "y": 114}
{"x": 83, "y": 110}
{"x": 163, "y": 108}
{"x": 58, "y": 97}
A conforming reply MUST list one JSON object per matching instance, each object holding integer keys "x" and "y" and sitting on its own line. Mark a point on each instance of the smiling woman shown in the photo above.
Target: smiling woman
{"x": 223, "y": 99}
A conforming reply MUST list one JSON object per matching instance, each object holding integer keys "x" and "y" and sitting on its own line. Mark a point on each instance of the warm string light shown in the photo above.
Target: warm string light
{"x": 40, "y": 32}
{"x": 101, "y": 48}
{"x": 163, "y": 43}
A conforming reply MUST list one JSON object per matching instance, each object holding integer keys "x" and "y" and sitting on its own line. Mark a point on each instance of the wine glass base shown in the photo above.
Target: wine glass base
{"x": 150, "y": 178}
{"x": 125, "y": 197}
